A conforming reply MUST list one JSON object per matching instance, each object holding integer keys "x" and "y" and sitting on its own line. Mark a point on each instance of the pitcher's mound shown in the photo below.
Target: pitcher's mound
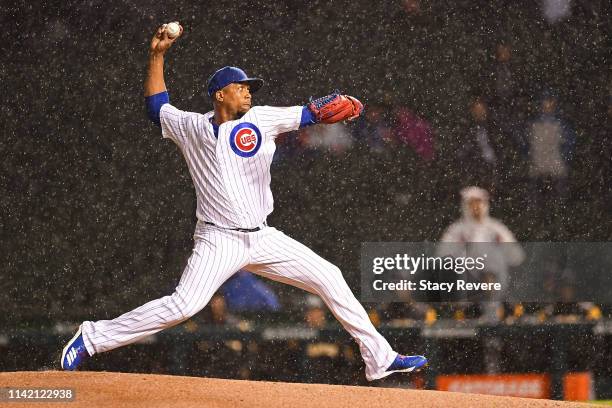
{"x": 98, "y": 389}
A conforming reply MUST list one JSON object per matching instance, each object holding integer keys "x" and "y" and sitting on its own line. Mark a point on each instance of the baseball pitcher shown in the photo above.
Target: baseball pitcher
{"x": 228, "y": 152}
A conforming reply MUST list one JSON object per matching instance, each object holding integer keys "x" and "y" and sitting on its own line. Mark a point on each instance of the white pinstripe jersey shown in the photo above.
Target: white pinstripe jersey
{"x": 231, "y": 173}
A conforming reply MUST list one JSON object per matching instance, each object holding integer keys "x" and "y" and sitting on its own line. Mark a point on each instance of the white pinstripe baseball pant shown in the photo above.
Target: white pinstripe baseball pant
{"x": 216, "y": 256}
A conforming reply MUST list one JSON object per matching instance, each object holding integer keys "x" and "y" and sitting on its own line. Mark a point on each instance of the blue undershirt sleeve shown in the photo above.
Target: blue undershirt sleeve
{"x": 308, "y": 117}
{"x": 154, "y": 104}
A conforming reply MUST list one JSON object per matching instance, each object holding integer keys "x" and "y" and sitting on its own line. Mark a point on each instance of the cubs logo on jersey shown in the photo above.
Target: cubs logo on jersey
{"x": 245, "y": 139}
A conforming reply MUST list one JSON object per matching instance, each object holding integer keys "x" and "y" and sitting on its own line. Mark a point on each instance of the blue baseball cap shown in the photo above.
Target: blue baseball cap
{"x": 230, "y": 75}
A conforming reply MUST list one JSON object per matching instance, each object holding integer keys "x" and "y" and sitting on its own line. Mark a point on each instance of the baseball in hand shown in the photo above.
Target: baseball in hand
{"x": 173, "y": 30}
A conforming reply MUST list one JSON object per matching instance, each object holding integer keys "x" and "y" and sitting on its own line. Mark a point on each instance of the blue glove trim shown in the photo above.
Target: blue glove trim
{"x": 154, "y": 104}
{"x": 308, "y": 117}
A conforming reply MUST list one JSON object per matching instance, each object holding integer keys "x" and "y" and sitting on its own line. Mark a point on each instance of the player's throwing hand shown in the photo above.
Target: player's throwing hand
{"x": 161, "y": 41}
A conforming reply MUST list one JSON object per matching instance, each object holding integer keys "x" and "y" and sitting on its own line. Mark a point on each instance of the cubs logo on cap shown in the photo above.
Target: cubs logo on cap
{"x": 245, "y": 139}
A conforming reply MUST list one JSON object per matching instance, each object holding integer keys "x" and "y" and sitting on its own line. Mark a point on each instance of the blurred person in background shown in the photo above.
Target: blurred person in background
{"x": 505, "y": 105}
{"x": 549, "y": 147}
{"x": 415, "y": 132}
{"x": 324, "y": 354}
{"x": 373, "y": 129}
{"x": 478, "y": 155}
{"x": 217, "y": 314}
{"x": 505, "y": 82}
{"x": 244, "y": 292}
{"x": 477, "y": 226}
{"x": 315, "y": 316}
{"x": 555, "y": 11}
{"x": 412, "y": 7}
{"x": 498, "y": 242}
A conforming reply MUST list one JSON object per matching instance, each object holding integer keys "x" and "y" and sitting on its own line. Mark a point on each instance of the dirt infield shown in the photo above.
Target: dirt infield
{"x": 99, "y": 389}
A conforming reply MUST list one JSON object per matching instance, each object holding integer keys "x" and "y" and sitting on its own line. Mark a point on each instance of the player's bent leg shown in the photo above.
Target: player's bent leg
{"x": 281, "y": 258}
{"x": 215, "y": 258}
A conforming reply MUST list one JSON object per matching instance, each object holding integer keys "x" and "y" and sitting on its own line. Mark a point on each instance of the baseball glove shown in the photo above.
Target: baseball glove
{"x": 335, "y": 108}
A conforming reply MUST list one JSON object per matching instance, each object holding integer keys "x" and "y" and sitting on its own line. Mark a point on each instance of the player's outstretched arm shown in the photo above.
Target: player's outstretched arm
{"x": 160, "y": 43}
{"x": 155, "y": 87}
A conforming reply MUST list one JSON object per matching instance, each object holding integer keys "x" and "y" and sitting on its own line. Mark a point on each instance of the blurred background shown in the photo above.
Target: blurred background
{"x": 97, "y": 211}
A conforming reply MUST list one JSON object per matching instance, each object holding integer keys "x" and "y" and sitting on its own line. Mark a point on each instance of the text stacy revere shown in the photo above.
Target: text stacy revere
{"x": 424, "y": 284}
